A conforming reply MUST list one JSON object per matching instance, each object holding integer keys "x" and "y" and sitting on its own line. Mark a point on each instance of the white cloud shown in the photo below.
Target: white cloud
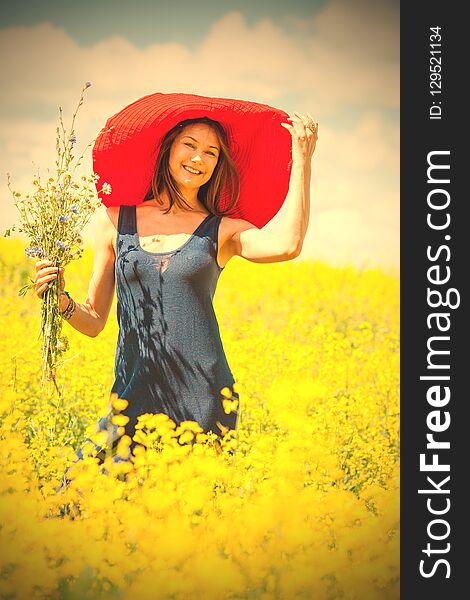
{"x": 347, "y": 57}
{"x": 348, "y": 53}
{"x": 341, "y": 235}
{"x": 370, "y": 145}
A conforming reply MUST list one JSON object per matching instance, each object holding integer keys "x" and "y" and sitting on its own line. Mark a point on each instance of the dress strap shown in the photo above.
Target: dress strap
{"x": 127, "y": 220}
{"x": 212, "y": 232}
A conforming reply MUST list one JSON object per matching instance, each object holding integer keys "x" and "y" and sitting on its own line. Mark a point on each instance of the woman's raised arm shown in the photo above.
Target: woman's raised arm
{"x": 264, "y": 245}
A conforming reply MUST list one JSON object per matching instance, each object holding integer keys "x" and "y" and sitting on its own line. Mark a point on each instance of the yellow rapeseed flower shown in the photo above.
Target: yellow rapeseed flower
{"x": 120, "y": 404}
{"x": 230, "y": 405}
{"x": 185, "y": 437}
{"x": 191, "y": 425}
{"x": 139, "y": 450}
{"x": 120, "y": 420}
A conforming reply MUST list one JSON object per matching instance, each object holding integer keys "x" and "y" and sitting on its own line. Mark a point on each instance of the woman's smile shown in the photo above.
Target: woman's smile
{"x": 192, "y": 170}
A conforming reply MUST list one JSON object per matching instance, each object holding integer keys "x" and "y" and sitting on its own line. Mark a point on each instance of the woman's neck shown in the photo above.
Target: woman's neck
{"x": 163, "y": 204}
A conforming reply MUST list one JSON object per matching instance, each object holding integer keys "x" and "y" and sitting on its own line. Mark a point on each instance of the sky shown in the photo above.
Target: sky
{"x": 337, "y": 59}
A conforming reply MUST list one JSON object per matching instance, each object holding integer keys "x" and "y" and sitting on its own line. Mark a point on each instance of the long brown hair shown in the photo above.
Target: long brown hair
{"x": 223, "y": 186}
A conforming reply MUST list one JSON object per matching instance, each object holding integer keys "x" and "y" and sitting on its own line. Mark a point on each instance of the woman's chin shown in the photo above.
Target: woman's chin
{"x": 189, "y": 183}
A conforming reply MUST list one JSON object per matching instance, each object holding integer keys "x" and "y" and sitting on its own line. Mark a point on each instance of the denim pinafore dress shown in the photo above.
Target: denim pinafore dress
{"x": 169, "y": 354}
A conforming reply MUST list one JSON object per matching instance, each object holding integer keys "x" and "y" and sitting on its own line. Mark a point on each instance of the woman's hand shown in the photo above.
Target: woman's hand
{"x": 304, "y": 140}
{"x": 45, "y": 273}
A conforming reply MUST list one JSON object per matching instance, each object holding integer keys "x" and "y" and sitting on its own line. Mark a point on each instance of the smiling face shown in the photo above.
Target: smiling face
{"x": 194, "y": 155}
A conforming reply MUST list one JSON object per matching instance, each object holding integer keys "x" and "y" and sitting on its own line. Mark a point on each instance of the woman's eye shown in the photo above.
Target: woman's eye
{"x": 189, "y": 144}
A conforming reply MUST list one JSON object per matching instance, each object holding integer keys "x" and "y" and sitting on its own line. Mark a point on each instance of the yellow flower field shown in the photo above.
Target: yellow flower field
{"x": 302, "y": 503}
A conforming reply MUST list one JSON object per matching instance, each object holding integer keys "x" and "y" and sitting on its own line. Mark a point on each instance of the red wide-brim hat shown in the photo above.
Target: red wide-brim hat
{"x": 126, "y": 150}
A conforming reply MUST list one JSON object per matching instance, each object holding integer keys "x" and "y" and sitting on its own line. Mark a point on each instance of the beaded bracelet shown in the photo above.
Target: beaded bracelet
{"x": 65, "y": 293}
{"x": 68, "y": 312}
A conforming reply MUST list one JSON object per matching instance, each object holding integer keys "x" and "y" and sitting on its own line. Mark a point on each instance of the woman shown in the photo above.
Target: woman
{"x": 165, "y": 256}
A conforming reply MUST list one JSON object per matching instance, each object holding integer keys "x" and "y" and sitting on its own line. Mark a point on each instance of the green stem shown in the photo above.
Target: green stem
{"x": 57, "y": 410}
{"x": 237, "y": 430}
{"x": 51, "y": 326}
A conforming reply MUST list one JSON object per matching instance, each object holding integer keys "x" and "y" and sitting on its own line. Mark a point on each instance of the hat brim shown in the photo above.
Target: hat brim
{"x": 125, "y": 151}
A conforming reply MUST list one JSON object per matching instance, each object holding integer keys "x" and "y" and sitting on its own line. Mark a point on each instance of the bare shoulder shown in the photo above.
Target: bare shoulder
{"x": 228, "y": 243}
{"x": 229, "y": 227}
{"x": 107, "y": 224}
{"x": 107, "y": 216}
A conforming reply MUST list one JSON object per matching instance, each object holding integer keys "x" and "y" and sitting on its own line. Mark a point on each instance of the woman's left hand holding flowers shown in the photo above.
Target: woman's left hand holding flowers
{"x": 304, "y": 131}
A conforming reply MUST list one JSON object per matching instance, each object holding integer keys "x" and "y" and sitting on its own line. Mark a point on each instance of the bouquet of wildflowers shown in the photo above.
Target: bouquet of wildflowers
{"x": 53, "y": 216}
